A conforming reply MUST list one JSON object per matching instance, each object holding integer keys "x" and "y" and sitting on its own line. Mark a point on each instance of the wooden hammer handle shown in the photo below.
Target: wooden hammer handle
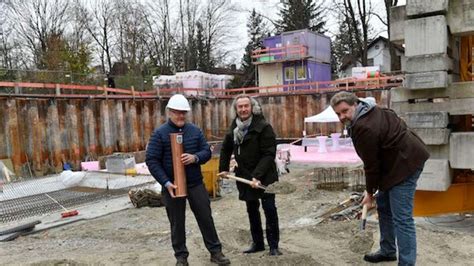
{"x": 363, "y": 217}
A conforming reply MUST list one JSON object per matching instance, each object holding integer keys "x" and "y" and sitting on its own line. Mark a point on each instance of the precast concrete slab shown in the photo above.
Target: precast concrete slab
{"x": 453, "y": 106}
{"x": 422, "y": 7}
{"x": 436, "y": 176}
{"x": 433, "y": 136}
{"x": 461, "y": 17}
{"x": 397, "y": 24}
{"x": 427, "y": 119}
{"x": 461, "y": 152}
{"x": 427, "y": 35}
{"x": 427, "y": 80}
{"x": 403, "y": 94}
{"x": 456, "y": 90}
{"x": 429, "y": 63}
{"x": 438, "y": 151}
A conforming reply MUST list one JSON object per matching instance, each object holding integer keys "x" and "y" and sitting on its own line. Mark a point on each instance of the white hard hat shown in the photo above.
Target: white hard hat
{"x": 178, "y": 102}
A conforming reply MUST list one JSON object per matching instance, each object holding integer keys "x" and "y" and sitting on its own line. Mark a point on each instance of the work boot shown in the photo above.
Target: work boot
{"x": 182, "y": 262}
{"x": 255, "y": 248}
{"x": 275, "y": 252}
{"x": 219, "y": 258}
{"x": 378, "y": 257}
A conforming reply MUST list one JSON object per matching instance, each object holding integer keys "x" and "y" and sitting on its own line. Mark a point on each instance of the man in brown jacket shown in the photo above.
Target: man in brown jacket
{"x": 393, "y": 159}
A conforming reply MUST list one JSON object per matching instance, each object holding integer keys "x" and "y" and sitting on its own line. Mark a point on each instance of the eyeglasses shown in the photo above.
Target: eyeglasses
{"x": 177, "y": 112}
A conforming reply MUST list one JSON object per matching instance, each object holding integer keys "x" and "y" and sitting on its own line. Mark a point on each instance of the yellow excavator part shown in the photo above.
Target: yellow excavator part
{"x": 459, "y": 198}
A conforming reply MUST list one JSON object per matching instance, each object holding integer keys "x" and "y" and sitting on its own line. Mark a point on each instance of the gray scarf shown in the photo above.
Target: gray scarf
{"x": 241, "y": 129}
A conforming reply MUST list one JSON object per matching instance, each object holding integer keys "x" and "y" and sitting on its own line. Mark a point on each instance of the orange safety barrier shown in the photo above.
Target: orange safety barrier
{"x": 378, "y": 83}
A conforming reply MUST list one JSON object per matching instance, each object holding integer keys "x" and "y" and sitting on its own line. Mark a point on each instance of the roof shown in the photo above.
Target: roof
{"x": 347, "y": 60}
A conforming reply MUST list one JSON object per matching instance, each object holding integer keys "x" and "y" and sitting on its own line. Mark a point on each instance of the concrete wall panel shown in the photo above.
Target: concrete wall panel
{"x": 461, "y": 17}
{"x": 436, "y": 176}
{"x": 427, "y": 80}
{"x": 427, "y": 35}
{"x": 427, "y": 119}
{"x": 422, "y": 7}
{"x": 461, "y": 152}
{"x": 397, "y": 24}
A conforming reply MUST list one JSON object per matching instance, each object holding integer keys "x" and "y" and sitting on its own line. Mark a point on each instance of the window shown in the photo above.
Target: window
{"x": 289, "y": 73}
{"x": 370, "y": 61}
{"x": 300, "y": 72}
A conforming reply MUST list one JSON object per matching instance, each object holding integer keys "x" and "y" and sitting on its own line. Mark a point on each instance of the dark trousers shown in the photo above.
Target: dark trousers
{"x": 272, "y": 229}
{"x": 201, "y": 207}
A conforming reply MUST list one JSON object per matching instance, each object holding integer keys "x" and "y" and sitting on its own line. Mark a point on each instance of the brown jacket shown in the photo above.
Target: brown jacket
{"x": 389, "y": 149}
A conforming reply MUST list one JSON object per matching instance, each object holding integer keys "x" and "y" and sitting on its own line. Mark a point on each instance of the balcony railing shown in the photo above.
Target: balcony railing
{"x": 279, "y": 54}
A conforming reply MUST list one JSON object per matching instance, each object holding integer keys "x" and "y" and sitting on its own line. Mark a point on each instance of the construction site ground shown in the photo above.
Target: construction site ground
{"x": 133, "y": 236}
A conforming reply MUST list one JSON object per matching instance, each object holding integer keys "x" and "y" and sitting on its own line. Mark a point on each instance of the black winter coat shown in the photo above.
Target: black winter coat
{"x": 255, "y": 159}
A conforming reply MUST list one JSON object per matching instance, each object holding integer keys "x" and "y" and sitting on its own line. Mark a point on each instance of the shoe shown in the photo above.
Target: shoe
{"x": 219, "y": 258}
{"x": 378, "y": 257}
{"x": 182, "y": 262}
{"x": 255, "y": 248}
{"x": 275, "y": 252}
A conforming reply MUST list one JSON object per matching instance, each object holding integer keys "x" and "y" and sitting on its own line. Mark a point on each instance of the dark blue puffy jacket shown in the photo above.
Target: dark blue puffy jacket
{"x": 158, "y": 153}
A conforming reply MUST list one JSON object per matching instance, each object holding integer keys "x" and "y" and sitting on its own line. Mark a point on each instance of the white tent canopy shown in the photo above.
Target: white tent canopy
{"x": 326, "y": 116}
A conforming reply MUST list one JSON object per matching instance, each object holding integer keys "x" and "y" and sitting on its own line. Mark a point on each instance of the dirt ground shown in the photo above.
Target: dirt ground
{"x": 142, "y": 236}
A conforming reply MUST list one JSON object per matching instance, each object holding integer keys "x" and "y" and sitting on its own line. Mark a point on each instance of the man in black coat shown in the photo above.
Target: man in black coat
{"x": 252, "y": 141}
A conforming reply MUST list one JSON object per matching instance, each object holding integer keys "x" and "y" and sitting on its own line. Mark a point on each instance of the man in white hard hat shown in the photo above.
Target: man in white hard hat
{"x": 196, "y": 151}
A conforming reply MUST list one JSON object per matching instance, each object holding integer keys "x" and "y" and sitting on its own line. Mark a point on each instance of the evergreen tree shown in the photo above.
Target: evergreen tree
{"x": 301, "y": 14}
{"x": 204, "y": 61}
{"x": 256, "y": 31}
{"x": 178, "y": 58}
{"x": 344, "y": 45}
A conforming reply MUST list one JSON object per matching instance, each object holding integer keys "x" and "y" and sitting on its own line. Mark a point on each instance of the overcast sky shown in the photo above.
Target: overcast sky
{"x": 269, "y": 9}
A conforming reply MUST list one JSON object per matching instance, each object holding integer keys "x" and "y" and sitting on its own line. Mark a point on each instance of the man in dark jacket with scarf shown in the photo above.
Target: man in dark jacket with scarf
{"x": 160, "y": 163}
{"x": 252, "y": 141}
{"x": 393, "y": 158}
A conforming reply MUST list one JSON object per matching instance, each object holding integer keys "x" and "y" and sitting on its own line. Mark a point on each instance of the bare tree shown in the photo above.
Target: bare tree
{"x": 395, "y": 64}
{"x": 192, "y": 11}
{"x": 131, "y": 33}
{"x": 357, "y": 17}
{"x": 98, "y": 20}
{"x": 36, "y": 22}
{"x": 218, "y": 20}
{"x": 6, "y": 47}
{"x": 159, "y": 33}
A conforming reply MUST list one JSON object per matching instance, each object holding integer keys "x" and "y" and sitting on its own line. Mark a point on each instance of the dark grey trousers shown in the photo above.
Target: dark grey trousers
{"x": 201, "y": 207}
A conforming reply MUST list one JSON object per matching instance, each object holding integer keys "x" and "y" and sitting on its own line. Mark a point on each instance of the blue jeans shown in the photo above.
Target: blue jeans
{"x": 395, "y": 209}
